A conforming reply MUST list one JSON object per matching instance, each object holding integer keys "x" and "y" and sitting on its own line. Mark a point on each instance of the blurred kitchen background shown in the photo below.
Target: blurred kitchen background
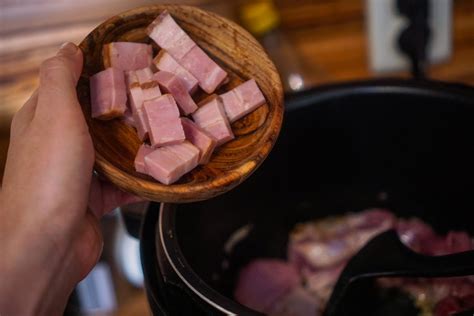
{"x": 312, "y": 42}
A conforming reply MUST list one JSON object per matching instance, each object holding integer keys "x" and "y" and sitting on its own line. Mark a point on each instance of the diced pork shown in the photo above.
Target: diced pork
{"x": 128, "y": 118}
{"x": 140, "y": 157}
{"x": 211, "y": 117}
{"x": 172, "y": 84}
{"x": 164, "y": 124}
{"x": 134, "y": 91}
{"x": 127, "y": 55}
{"x": 144, "y": 75}
{"x": 168, "y": 164}
{"x": 141, "y": 124}
{"x": 164, "y": 62}
{"x": 144, "y": 78}
{"x": 242, "y": 100}
{"x": 199, "y": 138}
{"x": 108, "y": 94}
{"x": 169, "y": 36}
{"x": 136, "y": 98}
{"x": 141, "y": 88}
{"x": 206, "y": 71}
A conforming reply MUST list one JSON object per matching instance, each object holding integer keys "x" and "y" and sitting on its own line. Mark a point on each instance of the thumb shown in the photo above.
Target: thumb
{"x": 58, "y": 78}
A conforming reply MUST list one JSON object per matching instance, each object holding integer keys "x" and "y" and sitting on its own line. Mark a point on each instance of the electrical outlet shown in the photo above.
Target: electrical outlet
{"x": 385, "y": 23}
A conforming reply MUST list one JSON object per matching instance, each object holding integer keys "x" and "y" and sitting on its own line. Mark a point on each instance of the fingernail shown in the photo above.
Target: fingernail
{"x": 68, "y": 48}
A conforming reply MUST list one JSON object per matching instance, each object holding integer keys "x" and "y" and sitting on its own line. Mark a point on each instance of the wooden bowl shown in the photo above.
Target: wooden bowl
{"x": 231, "y": 47}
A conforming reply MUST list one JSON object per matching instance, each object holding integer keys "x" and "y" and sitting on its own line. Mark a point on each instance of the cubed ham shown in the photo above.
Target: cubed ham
{"x": 127, "y": 55}
{"x": 141, "y": 88}
{"x": 144, "y": 78}
{"x": 242, "y": 100}
{"x": 172, "y": 84}
{"x": 164, "y": 62}
{"x": 187, "y": 154}
{"x": 211, "y": 117}
{"x": 128, "y": 118}
{"x": 141, "y": 124}
{"x": 108, "y": 94}
{"x": 164, "y": 124}
{"x": 151, "y": 90}
{"x": 206, "y": 71}
{"x": 144, "y": 75}
{"x": 134, "y": 91}
{"x": 169, "y": 36}
{"x": 199, "y": 138}
{"x": 140, "y": 157}
{"x": 135, "y": 98}
{"x": 169, "y": 163}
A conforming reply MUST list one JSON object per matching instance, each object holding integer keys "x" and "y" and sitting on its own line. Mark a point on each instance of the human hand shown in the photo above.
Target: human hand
{"x": 50, "y": 202}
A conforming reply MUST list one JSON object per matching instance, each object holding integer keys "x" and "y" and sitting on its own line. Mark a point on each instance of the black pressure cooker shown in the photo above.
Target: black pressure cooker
{"x": 340, "y": 147}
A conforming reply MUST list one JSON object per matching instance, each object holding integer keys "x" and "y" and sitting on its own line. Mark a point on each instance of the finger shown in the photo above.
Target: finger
{"x": 104, "y": 197}
{"x": 58, "y": 79}
{"x": 24, "y": 115}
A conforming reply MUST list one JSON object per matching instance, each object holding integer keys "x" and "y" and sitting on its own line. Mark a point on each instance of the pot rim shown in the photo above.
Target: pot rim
{"x": 169, "y": 243}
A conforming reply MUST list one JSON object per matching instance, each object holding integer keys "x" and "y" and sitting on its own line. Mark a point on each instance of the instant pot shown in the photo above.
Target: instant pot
{"x": 404, "y": 145}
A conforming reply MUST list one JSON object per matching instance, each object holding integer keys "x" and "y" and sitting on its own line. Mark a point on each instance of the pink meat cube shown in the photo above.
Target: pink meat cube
{"x": 172, "y": 84}
{"x": 242, "y": 100}
{"x": 186, "y": 152}
{"x": 164, "y": 62}
{"x": 199, "y": 138}
{"x": 144, "y": 75}
{"x": 128, "y": 118}
{"x": 127, "y": 55}
{"x": 144, "y": 79}
{"x": 141, "y": 88}
{"x": 136, "y": 98}
{"x": 211, "y": 117}
{"x": 164, "y": 124}
{"x": 206, "y": 71}
{"x": 108, "y": 94}
{"x": 151, "y": 90}
{"x": 169, "y": 163}
{"x": 169, "y": 36}
{"x": 141, "y": 124}
{"x": 134, "y": 91}
{"x": 140, "y": 158}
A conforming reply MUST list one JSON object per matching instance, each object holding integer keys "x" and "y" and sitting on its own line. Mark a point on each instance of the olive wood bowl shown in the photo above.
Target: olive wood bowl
{"x": 232, "y": 48}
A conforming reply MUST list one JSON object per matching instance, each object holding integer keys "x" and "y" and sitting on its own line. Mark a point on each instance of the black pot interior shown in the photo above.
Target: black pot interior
{"x": 337, "y": 153}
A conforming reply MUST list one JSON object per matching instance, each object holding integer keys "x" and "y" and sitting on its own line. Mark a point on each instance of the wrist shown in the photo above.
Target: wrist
{"x": 31, "y": 267}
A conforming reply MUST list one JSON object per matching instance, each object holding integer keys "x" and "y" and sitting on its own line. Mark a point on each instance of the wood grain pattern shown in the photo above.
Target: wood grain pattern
{"x": 239, "y": 54}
